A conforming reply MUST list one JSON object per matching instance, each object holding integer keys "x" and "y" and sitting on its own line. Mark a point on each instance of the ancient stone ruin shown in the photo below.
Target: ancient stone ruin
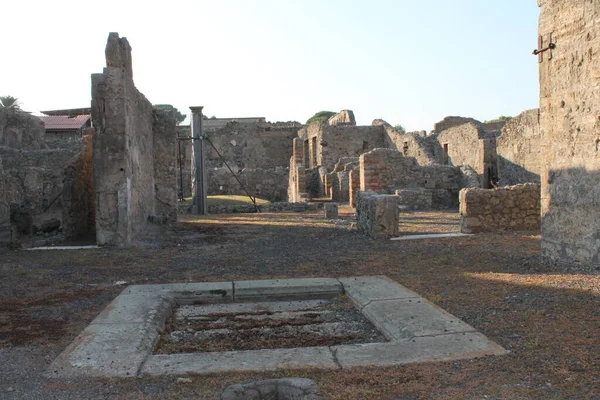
{"x": 46, "y": 188}
{"x": 134, "y": 152}
{"x": 570, "y": 131}
{"x": 256, "y": 151}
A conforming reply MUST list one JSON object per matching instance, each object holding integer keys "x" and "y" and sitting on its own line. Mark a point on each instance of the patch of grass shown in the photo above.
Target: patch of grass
{"x": 227, "y": 200}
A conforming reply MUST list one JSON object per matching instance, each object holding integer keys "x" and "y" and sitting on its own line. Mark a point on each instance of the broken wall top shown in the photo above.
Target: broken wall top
{"x": 118, "y": 53}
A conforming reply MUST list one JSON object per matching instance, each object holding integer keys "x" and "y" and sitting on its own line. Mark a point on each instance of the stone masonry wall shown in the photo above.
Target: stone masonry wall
{"x": 327, "y": 144}
{"x": 386, "y": 170}
{"x": 519, "y": 150}
{"x": 508, "y": 208}
{"x": 164, "y": 135}
{"x": 40, "y": 180}
{"x": 570, "y": 130}
{"x": 268, "y": 184}
{"x": 411, "y": 144}
{"x": 19, "y": 130}
{"x": 124, "y": 153}
{"x": 251, "y": 145}
{"x": 184, "y": 162}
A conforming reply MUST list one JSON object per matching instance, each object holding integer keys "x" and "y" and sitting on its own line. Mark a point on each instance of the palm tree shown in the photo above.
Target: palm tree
{"x": 9, "y": 102}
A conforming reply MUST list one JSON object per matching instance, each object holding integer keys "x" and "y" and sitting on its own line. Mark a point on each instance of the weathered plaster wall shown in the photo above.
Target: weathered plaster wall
{"x": 519, "y": 150}
{"x": 124, "y": 153}
{"x": 570, "y": 130}
{"x": 507, "y": 208}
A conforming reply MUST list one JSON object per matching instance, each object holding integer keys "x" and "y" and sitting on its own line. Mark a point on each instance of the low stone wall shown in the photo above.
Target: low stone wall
{"x": 377, "y": 215}
{"x": 415, "y": 199}
{"x": 507, "y": 208}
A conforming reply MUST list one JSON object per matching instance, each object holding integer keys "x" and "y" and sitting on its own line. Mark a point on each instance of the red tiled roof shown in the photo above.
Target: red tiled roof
{"x": 63, "y": 122}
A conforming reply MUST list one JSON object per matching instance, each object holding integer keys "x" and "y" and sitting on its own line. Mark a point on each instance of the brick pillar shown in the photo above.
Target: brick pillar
{"x": 298, "y": 151}
{"x": 354, "y": 186}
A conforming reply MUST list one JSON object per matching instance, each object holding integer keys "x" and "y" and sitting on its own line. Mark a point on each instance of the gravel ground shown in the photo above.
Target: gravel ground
{"x": 547, "y": 315}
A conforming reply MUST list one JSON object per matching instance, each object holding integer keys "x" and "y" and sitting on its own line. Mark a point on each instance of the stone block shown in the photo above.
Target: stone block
{"x": 282, "y": 389}
{"x": 377, "y": 215}
{"x": 331, "y": 210}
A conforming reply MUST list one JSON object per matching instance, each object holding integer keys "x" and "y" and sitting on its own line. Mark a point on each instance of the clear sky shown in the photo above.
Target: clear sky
{"x": 410, "y": 62}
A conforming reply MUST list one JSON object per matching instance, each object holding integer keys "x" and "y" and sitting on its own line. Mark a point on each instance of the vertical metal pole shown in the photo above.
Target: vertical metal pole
{"x": 200, "y": 203}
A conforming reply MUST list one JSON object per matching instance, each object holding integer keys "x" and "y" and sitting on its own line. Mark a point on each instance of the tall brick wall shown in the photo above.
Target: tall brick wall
{"x": 570, "y": 131}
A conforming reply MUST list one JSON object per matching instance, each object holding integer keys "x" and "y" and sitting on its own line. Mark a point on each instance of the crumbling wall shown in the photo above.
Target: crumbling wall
{"x": 411, "y": 144}
{"x": 386, "y": 170}
{"x": 327, "y": 144}
{"x": 570, "y": 126}
{"x": 269, "y": 184}
{"x": 377, "y": 215}
{"x": 78, "y": 196}
{"x": 184, "y": 162}
{"x": 124, "y": 153}
{"x": 19, "y": 130}
{"x": 251, "y": 145}
{"x": 164, "y": 134}
{"x": 344, "y": 117}
{"x": 41, "y": 181}
{"x": 512, "y": 208}
{"x": 519, "y": 150}
{"x": 468, "y": 144}
{"x": 453, "y": 121}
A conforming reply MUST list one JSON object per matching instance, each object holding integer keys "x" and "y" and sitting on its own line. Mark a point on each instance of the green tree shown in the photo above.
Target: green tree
{"x": 167, "y": 107}
{"x": 9, "y": 102}
{"x": 399, "y": 128}
{"x": 320, "y": 117}
{"x": 502, "y": 118}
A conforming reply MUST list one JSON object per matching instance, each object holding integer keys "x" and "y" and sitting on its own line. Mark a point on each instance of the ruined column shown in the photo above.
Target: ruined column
{"x": 200, "y": 201}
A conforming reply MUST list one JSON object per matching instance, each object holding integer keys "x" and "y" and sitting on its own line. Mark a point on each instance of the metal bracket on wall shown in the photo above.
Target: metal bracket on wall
{"x": 545, "y": 44}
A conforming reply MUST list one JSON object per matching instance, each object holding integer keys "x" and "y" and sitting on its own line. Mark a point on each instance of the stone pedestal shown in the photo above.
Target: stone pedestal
{"x": 331, "y": 211}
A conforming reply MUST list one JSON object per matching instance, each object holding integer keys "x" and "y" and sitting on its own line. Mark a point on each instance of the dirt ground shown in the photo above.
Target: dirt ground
{"x": 548, "y": 316}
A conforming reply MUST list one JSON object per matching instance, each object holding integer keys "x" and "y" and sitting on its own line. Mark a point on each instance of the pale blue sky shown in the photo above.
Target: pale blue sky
{"x": 408, "y": 62}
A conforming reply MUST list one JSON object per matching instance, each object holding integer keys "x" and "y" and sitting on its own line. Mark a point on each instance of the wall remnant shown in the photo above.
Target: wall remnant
{"x": 377, "y": 215}
{"x": 519, "y": 150}
{"x": 54, "y": 186}
{"x": 385, "y": 171}
{"x": 570, "y": 130}
{"x": 513, "y": 208}
{"x": 134, "y": 159}
{"x": 253, "y": 148}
